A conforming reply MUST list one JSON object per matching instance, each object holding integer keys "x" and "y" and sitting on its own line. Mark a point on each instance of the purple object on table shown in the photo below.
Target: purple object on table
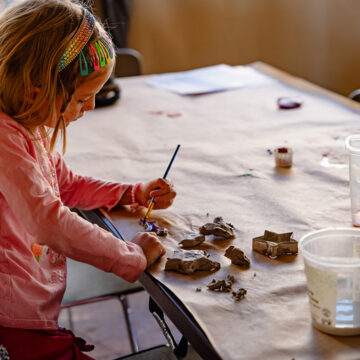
{"x": 289, "y": 102}
{"x": 150, "y": 226}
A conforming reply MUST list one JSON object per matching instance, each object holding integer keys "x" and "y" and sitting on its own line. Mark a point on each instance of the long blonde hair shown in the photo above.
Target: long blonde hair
{"x": 33, "y": 37}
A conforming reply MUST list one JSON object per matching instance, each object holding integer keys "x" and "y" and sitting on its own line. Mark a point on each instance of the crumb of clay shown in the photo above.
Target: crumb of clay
{"x": 198, "y": 289}
{"x": 207, "y": 214}
{"x": 254, "y": 275}
{"x": 192, "y": 240}
{"x": 189, "y": 261}
{"x": 237, "y": 256}
{"x": 239, "y": 295}
{"x": 218, "y": 228}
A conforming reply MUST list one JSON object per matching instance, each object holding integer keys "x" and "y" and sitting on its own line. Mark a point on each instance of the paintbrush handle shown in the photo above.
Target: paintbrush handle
{"x": 152, "y": 203}
{"x": 171, "y": 161}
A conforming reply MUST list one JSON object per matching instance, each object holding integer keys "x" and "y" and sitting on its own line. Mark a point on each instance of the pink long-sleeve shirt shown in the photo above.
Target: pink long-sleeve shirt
{"x": 38, "y": 230}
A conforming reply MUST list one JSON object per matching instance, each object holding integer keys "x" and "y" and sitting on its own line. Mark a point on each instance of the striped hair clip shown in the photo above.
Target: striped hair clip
{"x": 95, "y": 56}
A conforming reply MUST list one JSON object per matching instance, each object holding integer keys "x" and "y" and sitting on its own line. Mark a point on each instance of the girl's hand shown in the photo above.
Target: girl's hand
{"x": 162, "y": 189}
{"x": 150, "y": 245}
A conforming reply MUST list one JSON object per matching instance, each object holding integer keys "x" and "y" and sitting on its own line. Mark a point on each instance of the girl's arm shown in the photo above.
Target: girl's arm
{"x": 34, "y": 208}
{"x": 86, "y": 192}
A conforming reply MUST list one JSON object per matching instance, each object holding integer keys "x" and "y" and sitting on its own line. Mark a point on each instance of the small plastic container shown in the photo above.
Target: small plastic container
{"x": 332, "y": 268}
{"x": 283, "y": 157}
{"x": 352, "y": 144}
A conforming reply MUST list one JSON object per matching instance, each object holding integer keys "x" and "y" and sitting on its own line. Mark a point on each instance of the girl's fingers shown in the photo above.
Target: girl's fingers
{"x": 164, "y": 201}
{"x": 163, "y": 187}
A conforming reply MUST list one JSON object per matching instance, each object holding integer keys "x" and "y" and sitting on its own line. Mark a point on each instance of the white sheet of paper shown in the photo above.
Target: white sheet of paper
{"x": 210, "y": 79}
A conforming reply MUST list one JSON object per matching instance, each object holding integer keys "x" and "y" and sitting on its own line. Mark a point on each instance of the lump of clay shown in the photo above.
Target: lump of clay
{"x": 189, "y": 261}
{"x": 237, "y": 256}
{"x": 218, "y": 228}
{"x": 192, "y": 240}
{"x": 273, "y": 245}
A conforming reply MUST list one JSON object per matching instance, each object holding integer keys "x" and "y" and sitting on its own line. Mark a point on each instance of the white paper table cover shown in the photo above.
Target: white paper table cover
{"x": 223, "y": 137}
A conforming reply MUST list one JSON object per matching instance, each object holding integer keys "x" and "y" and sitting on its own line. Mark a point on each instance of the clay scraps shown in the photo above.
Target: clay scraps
{"x": 189, "y": 261}
{"x": 226, "y": 286}
{"x": 222, "y": 285}
{"x": 273, "y": 245}
{"x": 218, "y": 228}
{"x": 152, "y": 227}
{"x": 237, "y": 256}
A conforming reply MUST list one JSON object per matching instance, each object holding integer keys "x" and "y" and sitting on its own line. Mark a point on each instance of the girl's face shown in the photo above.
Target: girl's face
{"x": 83, "y": 98}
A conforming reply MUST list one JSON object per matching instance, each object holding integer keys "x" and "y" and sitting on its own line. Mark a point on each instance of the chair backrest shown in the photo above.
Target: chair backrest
{"x": 129, "y": 62}
{"x": 355, "y": 95}
{"x": 87, "y": 282}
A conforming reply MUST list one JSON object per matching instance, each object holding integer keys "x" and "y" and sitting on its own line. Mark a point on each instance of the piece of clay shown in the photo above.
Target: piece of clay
{"x": 151, "y": 227}
{"x": 198, "y": 289}
{"x": 274, "y": 245}
{"x": 237, "y": 256}
{"x": 239, "y": 295}
{"x": 218, "y": 228}
{"x": 192, "y": 240}
{"x": 189, "y": 261}
{"x": 222, "y": 285}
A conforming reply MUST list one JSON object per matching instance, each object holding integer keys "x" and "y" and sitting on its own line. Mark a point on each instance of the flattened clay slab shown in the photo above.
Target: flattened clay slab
{"x": 189, "y": 261}
{"x": 237, "y": 256}
{"x": 273, "y": 245}
{"x": 278, "y": 238}
{"x": 218, "y": 228}
{"x": 192, "y": 240}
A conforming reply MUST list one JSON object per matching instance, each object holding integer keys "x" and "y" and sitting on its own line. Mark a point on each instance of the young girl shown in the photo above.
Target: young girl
{"x": 54, "y": 58}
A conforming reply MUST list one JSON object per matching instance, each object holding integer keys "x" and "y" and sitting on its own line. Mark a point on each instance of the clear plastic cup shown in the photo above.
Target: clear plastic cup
{"x": 352, "y": 144}
{"x": 332, "y": 268}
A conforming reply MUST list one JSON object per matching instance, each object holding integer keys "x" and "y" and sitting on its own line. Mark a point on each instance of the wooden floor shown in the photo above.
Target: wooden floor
{"x": 103, "y": 325}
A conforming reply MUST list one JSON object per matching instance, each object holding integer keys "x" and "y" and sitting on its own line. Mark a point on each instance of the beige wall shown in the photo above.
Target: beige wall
{"x": 318, "y": 40}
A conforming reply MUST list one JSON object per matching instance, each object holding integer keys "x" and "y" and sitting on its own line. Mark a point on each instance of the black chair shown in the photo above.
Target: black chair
{"x": 355, "y": 95}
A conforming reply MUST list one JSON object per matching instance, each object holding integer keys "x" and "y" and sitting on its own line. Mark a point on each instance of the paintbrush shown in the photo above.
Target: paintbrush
{"x": 152, "y": 202}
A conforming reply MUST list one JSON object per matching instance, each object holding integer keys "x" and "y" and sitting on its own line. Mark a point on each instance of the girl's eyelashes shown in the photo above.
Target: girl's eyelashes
{"x": 83, "y": 101}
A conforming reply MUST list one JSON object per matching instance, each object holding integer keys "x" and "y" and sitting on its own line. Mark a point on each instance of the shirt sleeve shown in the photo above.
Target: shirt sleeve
{"x": 86, "y": 192}
{"x": 50, "y": 222}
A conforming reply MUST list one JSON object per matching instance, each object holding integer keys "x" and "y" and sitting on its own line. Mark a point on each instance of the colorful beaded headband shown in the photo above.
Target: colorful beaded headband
{"x": 79, "y": 40}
